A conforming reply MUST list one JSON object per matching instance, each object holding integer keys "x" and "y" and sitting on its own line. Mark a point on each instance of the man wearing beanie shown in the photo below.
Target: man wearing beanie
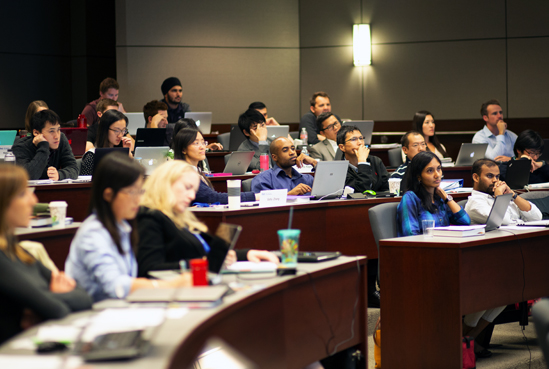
{"x": 172, "y": 91}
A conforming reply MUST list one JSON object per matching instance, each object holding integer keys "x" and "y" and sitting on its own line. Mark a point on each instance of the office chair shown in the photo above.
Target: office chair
{"x": 462, "y": 203}
{"x": 395, "y": 157}
{"x": 224, "y": 139}
{"x": 294, "y": 134}
{"x": 540, "y": 313}
{"x": 247, "y": 185}
{"x": 384, "y": 224}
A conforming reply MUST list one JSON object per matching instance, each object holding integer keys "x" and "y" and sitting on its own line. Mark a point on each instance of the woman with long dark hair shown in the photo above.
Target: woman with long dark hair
{"x": 24, "y": 282}
{"x": 425, "y": 200}
{"x": 101, "y": 256}
{"x": 111, "y": 133}
{"x": 424, "y": 123}
{"x": 189, "y": 145}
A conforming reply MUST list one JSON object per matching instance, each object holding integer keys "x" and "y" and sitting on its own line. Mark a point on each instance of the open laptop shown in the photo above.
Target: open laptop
{"x": 518, "y": 174}
{"x": 203, "y": 121}
{"x": 151, "y": 157}
{"x": 6, "y": 141}
{"x": 101, "y": 153}
{"x": 77, "y": 138}
{"x": 236, "y": 138}
{"x": 150, "y": 137}
{"x": 366, "y": 128}
{"x": 469, "y": 153}
{"x": 277, "y": 131}
{"x": 238, "y": 162}
{"x": 329, "y": 179}
{"x": 499, "y": 208}
{"x": 135, "y": 121}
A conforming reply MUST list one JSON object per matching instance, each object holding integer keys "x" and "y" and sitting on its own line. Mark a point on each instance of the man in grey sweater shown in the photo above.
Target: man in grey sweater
{"x": 47, "y": 153}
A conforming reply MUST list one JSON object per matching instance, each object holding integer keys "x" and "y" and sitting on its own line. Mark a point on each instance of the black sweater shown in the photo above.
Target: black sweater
{"x": 37, "y": 159}
{"x": 162, "y": 244}
{"x": 368, "y": 177}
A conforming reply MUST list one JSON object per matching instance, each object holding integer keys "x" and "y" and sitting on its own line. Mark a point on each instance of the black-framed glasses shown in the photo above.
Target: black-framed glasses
{"x": 355, "y": 139}
{"x": 331, "y": 126}
{"x": 119, "y": 132}
{"x": 257, "y": 125}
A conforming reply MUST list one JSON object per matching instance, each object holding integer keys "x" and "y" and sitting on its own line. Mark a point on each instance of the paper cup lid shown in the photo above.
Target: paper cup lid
{"x": 58, "y": 203}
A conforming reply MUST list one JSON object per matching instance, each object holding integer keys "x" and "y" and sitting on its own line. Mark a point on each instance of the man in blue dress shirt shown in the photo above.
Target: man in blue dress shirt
{"x": 282, "y": 174}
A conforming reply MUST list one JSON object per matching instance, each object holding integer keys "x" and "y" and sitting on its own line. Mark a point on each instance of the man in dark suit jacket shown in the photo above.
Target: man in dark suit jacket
{"x": 328, "y": 126}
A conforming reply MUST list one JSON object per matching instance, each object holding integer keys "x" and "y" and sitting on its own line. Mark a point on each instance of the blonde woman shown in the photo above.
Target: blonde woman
{"x": 169, "y": 231}
{"x": 24, "y": 282}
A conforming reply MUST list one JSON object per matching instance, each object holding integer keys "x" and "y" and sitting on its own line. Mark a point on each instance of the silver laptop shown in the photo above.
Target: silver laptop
{"x": 135, "y": 121}
{"x": 499, "y": 208}
{"x": 277, "y": 131}
{"x": 329, "y": 179}
{"x": 238, "y": 162}
{"x": 366, "y": 128}
{"x": 203, "y": 121}
{"x": 151, "y": 157}
{"x": 469, "y": 153}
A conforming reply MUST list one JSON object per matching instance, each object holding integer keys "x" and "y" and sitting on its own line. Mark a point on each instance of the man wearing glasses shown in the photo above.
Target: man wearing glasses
{"x": 366, "y": 172}
{"x": 47, "y": 153}
{"x": 328, "y": 126}
{"x": 412, "y": 142}
{"x": 253, "y": 126}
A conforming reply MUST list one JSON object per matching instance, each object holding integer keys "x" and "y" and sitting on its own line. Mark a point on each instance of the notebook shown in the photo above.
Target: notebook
{"x": 329, "y": 179}
{"x": 203, "y": 121}
{"x": 101, "y": 153}
{"x": 277, "y": 131}
{"x": 135, "y": 121}
{"x": 499, "y": 208}
{"x": 518, "y": 174}
{"x": 366, "y": 127}
{"x": 77, "y": 138}
{"x": 151, "y": 157}
{"x": 238, "y": 162}
{"x": 150, "y": 137}
{"x": 469, "y": 153}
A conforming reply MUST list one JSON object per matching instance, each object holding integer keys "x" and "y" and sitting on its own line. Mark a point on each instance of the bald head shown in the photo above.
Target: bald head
{"x": 283, "y": 152}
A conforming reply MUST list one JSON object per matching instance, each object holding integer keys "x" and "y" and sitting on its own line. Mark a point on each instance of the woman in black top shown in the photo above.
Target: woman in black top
{"x": 24, "y": 282}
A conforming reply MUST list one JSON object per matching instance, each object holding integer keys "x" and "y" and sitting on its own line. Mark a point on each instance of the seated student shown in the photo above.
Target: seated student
{"x": 34, "y": 107}
{"x": 252, "y": 124}
{"x": 169, "y": 231}
{"x": 424, "y": 122}
{"x": 101, "y": 256}
{"x": 112, "y": 133}
{"x": 102, "y": 106}
{"x": 328, "y": 126}
{"x": 486, "y": 185}
{"x": 366, "y": 172}
{"x": 500, "y": 140}
{"x": 108, "y": 89}
{"x": 24, "y": 282}
{"x": 189, "y": 145}
{"x": 47, "y": 153}
{"x": 156, "y": 114}
{"x": 173, "y": 93}
{"x": 425, "y": 200}
{"x": 529, "y": 146}
{"x": 412, "y": 143}
{"x": 282, "y": 174}
{"x": 262, "y": 108}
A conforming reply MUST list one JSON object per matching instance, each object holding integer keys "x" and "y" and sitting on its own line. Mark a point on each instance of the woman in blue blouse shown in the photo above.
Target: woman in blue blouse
{"x": 425, "y": 200}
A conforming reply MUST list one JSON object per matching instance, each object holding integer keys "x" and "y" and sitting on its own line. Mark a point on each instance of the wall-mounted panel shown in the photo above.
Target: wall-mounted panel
{"x": 223, "y": 81}
{"x": 527, "y": 18}
{"x": 451, "y": 79}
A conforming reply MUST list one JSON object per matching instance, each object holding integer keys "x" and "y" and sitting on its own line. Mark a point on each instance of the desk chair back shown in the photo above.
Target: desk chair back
{"x": 224, "y": 139}
{"x": 395, "y": 157}
{"x": 540, "y": 313}
{"x": 462, "y": 203}
{"x": 384, "y": 224}
{"x": 247, "y": 185}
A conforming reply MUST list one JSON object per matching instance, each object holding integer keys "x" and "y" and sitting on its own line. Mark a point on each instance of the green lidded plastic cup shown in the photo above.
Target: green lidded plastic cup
{"x": 289, "y": 245}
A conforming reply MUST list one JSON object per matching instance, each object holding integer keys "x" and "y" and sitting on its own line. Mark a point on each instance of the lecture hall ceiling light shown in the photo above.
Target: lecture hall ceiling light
{"x": 362, "y": 45}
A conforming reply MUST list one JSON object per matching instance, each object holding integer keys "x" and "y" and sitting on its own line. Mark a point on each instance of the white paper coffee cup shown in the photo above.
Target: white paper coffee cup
{"x": 394, "y": 185}
{"x": 233, "y": 190}
{"x": 58, "y": 212}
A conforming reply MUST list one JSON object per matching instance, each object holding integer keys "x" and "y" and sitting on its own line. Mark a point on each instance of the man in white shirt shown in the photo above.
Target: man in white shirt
{"x": 328, "y": 125}
{"x": 486, "y": 186}
{"x": 495, "y": 133}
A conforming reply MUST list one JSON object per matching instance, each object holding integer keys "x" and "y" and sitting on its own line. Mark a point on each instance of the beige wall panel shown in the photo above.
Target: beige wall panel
{"x": 331, "y": 70}
{"x": 528, "y": 77}
{"x": 242, "y": 23}
{"x": 527, "y": 18}
{"x": 451, "y": 79}
{"x": 223, "y": 81}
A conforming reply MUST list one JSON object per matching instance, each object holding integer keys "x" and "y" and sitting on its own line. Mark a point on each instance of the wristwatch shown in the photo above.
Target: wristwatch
{"x": 515, "y": 196}
{"x": 448, "y": 199}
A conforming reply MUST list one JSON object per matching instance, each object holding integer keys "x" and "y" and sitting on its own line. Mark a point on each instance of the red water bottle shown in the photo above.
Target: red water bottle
{"x": 82, "y": 121}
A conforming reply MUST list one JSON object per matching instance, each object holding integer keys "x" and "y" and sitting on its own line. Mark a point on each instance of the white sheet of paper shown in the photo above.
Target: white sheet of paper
{"x": 273, "y": 198}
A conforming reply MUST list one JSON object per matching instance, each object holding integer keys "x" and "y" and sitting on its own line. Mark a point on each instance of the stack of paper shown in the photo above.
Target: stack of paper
{"x": 460, "y": 231}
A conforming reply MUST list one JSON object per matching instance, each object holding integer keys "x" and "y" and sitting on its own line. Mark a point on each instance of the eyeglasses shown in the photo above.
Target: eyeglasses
{"x": 416, "y": 145}
{"x": 200, "y": 143}
{"x": 331, "y": 126}
{"x": 355, "y": 139}
{"x": 257, "y": 125}
{"x": 119, "y": 132}
{"x": 134, "y": 193}
{"x": 532, "y": 153}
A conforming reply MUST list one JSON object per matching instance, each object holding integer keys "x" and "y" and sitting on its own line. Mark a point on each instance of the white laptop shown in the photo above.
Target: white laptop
{"x": 203, "y": 121}
{"x": 135, "y": 121}
{"x": 277, "y": 131}
{"x": 469, "y": 153}
{"x": 151, "y": 157}
{"x": 366, "y": 127}
{"x": 239, "y": 162}
{"x": 329, "y": 179}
